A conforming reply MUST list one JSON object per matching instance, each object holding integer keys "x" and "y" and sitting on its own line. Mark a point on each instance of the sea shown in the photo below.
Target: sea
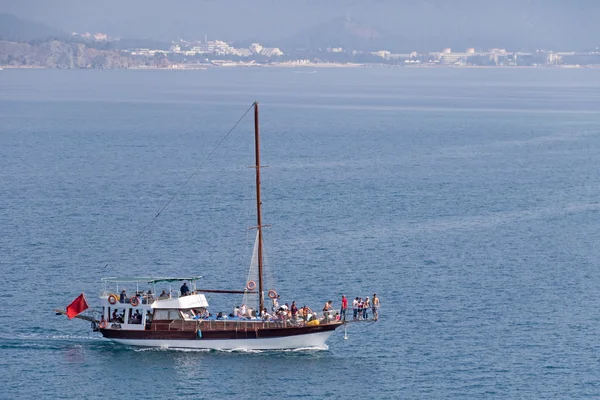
{"x": 468, "y": 199}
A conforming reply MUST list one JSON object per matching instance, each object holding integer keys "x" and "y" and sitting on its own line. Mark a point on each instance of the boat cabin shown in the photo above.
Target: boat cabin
{"x": 132, "y": 303}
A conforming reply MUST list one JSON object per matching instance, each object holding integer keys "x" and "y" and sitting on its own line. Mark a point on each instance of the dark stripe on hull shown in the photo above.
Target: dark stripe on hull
{"x": 212, "y": 335}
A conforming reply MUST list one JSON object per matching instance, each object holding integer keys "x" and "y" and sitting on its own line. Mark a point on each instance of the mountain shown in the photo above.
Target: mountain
{"x": 14, "y": 29}
{"x": 340, "y": 32}
{"x": 56, "y": 54}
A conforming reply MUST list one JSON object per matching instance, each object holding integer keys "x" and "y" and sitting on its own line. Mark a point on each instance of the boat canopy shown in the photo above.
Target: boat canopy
{"x": 185, "y": 302}
{"x": 148, "y": 279}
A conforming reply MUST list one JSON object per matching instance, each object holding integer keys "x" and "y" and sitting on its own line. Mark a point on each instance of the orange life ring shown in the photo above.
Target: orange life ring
{"x": 102, "y": 324}
{"x": 272, "y": 294}
{"x": 112, "y": 299}
{"x": 134, "y": 301}
{"x": 251, "y": 285}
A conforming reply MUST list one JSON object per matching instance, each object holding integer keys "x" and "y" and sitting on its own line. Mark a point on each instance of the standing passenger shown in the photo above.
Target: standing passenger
{"x": 344, "y": 307}
{"x": 366, "y": 309}
{"x": 355, "y": 308}
{"x": 360, "y": 308}
{"x": 375, "y": 307}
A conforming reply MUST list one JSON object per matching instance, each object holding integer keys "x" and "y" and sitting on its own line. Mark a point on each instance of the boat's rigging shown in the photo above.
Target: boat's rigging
{"x": 196, "y": 170}
{"x": 181, "y": 318}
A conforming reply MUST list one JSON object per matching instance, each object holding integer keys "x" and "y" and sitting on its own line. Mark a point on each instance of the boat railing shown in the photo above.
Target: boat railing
{"x": 245, "y": 325}
{"x": 143, "y": 298}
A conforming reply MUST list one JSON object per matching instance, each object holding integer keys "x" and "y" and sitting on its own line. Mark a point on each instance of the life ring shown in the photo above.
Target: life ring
{"x": 272, "y": 294}
{"x": 112, "y": 299}
{"x": 102, "y": 324}
{"x": 135, "y": 301}
{"x": 251, "y": 285}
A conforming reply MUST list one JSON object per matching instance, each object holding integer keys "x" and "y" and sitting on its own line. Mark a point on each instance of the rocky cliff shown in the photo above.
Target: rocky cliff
{"x": 56, "y": 54}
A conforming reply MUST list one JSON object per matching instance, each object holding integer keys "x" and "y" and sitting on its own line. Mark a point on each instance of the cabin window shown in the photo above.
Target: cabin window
{"x": 161, "y": 314}
{"x": 166, "y": 314}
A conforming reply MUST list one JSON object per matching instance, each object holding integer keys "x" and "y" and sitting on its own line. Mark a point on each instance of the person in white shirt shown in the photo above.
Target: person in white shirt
{"x": 355, "y": 309}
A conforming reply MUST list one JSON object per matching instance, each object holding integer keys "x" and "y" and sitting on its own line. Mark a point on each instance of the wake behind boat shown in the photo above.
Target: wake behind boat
{"x": 182, "y": 319}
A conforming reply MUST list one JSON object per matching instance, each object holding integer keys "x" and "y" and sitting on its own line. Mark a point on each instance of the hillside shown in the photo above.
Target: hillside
{"x": 55, "y": 54}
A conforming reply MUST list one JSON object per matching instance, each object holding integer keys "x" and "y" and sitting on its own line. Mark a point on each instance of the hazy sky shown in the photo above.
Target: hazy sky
{"x": 495, "y": 23}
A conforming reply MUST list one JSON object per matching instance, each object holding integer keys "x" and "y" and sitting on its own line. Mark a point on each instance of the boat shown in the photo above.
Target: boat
{"x": 181, "y": 317}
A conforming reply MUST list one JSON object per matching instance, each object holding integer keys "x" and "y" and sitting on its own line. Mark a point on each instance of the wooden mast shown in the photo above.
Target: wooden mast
{"x": 258, "y": 208}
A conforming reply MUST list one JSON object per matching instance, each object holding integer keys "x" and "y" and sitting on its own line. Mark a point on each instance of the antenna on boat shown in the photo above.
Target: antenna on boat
{"x": 258, "y": 208}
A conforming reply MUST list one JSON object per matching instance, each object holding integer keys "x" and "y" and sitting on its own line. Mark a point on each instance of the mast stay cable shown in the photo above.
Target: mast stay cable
{"x": 196, "y": 170}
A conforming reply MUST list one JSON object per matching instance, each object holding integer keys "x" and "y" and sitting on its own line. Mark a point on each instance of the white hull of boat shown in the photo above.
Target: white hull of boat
{"x": 310, "y": 340}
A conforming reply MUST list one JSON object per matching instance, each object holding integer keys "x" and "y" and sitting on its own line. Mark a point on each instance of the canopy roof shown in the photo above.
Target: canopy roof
{"x": 148, "y": 279}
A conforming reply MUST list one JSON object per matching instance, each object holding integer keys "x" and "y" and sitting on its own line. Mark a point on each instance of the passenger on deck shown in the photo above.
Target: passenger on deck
{"x": 149, "y": 298}
{"x": 294, "y": 311}
{"x": 355, "y": 309}
{"x": 366, "y": 307}
{"x": 306, "y": 313}
{"x": 163, "y": 295}
{"x": 344, "y": 307}
{"x": 114, "y": 316}
{"x": 275, "y": 304}
{"x": 375, "y": 307}
{"x": 236, "y": 311}
{"x": 282, "y": 315}
{"x": 123, "y": 297}
{"x": 243, "y": 310}
{"x": 360, "y": 307}
{"x": 102, "y": 321}
{"x": 328, "y": 310}
{"x": 185, "y": 290}
{"x": 264, "y": 315}
{"x": 220, "y": 316}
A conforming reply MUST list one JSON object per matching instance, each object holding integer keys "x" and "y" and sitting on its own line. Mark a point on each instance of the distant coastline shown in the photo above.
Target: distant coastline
{"x": 285, "y": 65}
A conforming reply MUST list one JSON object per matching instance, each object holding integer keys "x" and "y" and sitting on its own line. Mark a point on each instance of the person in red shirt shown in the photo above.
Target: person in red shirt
{"x": 344, "y": 307}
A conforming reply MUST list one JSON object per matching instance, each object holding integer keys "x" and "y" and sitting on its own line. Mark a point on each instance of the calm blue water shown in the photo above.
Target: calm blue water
{"x": 468, "y": 200}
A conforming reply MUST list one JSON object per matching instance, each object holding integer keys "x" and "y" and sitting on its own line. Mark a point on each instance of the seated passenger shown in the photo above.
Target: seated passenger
{"x": 123, "y": 297}
{"x": 148, "y": 298}
{"x": 184, "y": 289}
{"x": 163, "y": 295}
{"x": 264, "y": 315}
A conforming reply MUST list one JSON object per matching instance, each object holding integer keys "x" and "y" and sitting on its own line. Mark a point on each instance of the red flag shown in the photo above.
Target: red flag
{"x": 77, "y": 306}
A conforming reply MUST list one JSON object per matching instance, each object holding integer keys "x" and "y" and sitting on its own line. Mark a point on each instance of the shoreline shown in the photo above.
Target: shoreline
{"x": 203, "y": 67}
